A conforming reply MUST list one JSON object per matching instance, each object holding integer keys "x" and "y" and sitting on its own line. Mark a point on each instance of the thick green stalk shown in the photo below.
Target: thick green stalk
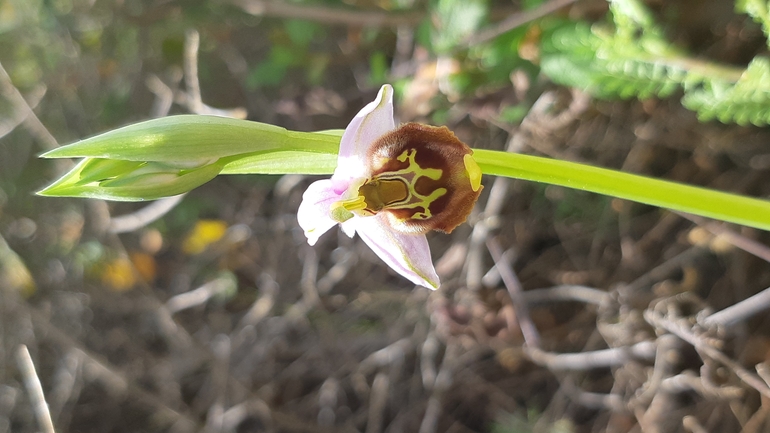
{"x": 742, "y": 210}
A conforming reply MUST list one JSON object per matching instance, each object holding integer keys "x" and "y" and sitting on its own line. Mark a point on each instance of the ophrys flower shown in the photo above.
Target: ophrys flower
{"x": 391, "y": 186}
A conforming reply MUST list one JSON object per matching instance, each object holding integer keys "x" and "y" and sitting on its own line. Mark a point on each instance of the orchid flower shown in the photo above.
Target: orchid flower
{"x": 391, "y": 186}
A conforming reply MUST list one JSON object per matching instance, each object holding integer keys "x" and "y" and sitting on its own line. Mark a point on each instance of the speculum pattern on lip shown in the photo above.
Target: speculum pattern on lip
{"x": 420, "y": 179}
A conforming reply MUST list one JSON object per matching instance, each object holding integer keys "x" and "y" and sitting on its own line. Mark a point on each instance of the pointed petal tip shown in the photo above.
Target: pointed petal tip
{"x": 374, "y": 120}
{"x": 428, "y": 281}
{"x": 385, "y": 94}
{"x": 433, "y": 285}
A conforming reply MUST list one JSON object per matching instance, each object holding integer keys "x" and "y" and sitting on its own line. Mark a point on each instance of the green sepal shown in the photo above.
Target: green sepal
{"x": 194, "y": 139}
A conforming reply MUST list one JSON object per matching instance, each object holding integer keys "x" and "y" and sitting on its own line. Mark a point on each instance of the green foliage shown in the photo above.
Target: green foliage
{"x": 378, "y": 68}
{"x": 633, "y": 59}
{"x": 757, "y": 9}
{"x": 513, "y": 114}
{"x": 272, "y": 71}
{"x": 291, "y": 49}
{"x": 486, "y": 67}
{"x": 454, "y": 21}
{"x": 745, "y": 101}
{"x": 612, "y": 64}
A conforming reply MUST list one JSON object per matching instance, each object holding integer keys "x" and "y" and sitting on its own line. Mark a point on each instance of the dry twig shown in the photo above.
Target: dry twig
{"x": 144, "y": 216}
{"x": 614, "y": 357}
{"x": 721, "y": 231}
{"x": 516, "y": 20}
{"x": 588, "y": 295}
{"x": 705, "y": 349}
{"x": 35, "y": 389}
{"x": 24, "y": 110}
{"x": 528, "y": 329}
{"x": 665, "y": 269}
{"x": 321, "y": 14}
{"x": 739, "y": 312}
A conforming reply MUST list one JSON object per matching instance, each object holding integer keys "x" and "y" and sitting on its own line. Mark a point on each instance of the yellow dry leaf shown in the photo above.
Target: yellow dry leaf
{"x": 16, "y": 276}
{"x": 144, "y": 265}
{"x": 205, "y": 233}
{"x": 431, "y": 78}
{"x": 118, "y": 274}
{"x": 13, "y": 272}
{"x": 151, "y": 241}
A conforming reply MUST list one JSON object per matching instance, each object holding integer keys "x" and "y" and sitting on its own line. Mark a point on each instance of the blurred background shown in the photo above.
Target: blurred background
{"x": 211, "y": 313}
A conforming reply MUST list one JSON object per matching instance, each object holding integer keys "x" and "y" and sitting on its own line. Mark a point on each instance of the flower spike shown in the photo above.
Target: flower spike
{"x": 391, "y": 186}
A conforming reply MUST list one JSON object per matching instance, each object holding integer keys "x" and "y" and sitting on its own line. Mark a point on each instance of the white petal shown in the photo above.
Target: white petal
{"x": 349, "y": 227}
{"x": 371, "y": 123}
{"x": 313, "y": 213}
{"x": 407, "y": 254}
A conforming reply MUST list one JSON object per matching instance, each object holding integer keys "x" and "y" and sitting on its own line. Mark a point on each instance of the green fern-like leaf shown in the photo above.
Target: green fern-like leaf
{"x": 759, "y": 10}
{"x": 743, "y": 102}
{"x": 633, "y": 59}
{"x": 610, "y": 64}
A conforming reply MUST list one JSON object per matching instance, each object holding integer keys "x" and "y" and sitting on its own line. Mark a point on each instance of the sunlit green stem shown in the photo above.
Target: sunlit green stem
{"x": 699, "y": 201}
{"x": 173, "y": 155}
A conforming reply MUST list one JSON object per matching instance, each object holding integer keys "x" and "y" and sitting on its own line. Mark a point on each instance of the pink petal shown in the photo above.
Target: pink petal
{"x": 313, "y": 213}
{"x": 371, "y": 123}
{"x": 407, "y": 254}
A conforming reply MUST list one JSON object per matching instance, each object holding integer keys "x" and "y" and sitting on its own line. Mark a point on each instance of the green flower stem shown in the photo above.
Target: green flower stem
{"x": 173, "y": 155}
{"x": 737, "y": 209}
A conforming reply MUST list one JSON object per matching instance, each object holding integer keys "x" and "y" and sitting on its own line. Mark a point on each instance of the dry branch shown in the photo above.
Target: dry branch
{"x": 325, "y": 15}
{"x": 512, "y": 283}
{"x": 35, "y": 389}
{"x": 739, "y": 312}
{"x": 589, "y": 360}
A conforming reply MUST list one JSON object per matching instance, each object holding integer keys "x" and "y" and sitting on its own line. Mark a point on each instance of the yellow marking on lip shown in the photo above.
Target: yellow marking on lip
{"x": 473, "y": 171}
{"x": 393, "y": 190}
{"x": 396, "y": 190}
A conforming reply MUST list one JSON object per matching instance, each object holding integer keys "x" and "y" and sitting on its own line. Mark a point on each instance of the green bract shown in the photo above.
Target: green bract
{"x": 172, "y": 155}
{"x": 130, "y": 180}
{"x": 177, "y": 139}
